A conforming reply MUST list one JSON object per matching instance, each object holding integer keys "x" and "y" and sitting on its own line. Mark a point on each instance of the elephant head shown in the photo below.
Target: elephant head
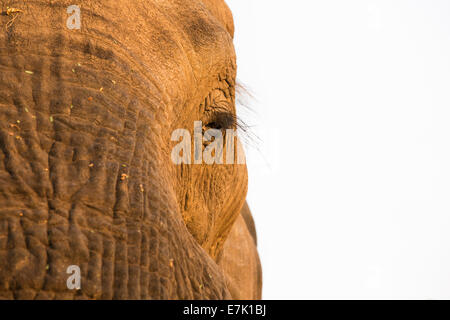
{"x": 86, "y": 175}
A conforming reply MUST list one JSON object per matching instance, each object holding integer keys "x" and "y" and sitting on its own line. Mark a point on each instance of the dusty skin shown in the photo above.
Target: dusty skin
{"x": 86, "y": 178}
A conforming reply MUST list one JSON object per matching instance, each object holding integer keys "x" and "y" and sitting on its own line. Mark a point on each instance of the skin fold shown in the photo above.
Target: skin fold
{"x": 86, "y": 176}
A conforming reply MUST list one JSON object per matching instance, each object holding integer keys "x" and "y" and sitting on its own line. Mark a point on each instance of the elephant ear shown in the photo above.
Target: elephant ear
{"x": 220, "y": 10}
{"x": 240, "y": 260}
{"x": 248, "y": 218}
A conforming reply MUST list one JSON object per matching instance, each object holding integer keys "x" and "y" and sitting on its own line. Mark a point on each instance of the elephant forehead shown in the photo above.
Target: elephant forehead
{"x": 184, "y": 40}
{"x": 199, "y": 36}
{"x": 222, "y": 13}
{"x": 179, "y": 45}
{"x": 190, "y": 45}
{"x": 183, "y": 45}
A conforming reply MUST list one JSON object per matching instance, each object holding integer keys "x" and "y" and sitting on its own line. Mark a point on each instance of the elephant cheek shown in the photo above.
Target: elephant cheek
{"x": 234, "y": 196}
{"x": 210, "y": 201}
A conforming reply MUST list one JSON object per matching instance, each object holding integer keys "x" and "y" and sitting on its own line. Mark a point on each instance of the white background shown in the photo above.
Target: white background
{"x": 350, "y": 181}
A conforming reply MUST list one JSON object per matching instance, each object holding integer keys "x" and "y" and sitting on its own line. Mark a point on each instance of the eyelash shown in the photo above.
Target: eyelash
{"x": 222, "y": 120}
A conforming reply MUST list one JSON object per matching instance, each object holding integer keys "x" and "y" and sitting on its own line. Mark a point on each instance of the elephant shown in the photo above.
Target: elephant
{"x": 86, "y": 177}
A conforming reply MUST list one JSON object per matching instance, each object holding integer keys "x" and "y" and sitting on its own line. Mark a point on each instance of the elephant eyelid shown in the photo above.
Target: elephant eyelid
{"x": 223, "y": 120}
{"x": 221, "y": 117}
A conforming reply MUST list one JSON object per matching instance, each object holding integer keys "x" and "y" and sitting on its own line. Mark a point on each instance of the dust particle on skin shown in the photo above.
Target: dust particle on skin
{"x": 29, "y": 72}
{"x": 10, "y": 11}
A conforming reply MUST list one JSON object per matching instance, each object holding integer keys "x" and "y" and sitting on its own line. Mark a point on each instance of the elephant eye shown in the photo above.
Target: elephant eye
{"x": 222, "y": 120}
